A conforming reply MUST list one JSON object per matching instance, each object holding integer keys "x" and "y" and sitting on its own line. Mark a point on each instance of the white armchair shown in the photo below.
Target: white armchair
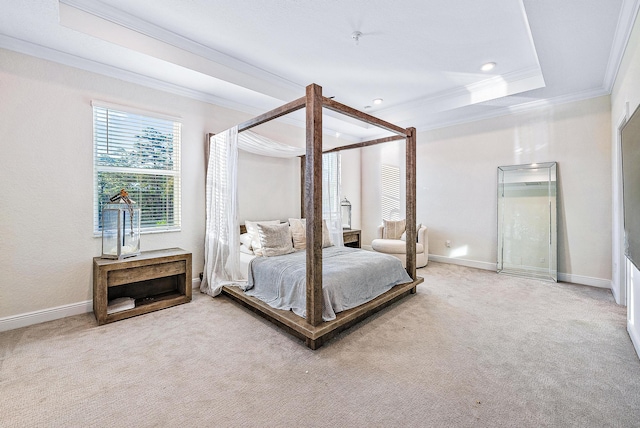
{"x": 398, "y": 247}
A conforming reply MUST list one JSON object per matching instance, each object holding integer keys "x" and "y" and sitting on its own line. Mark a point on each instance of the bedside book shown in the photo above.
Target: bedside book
{"x": 120, "y": 304}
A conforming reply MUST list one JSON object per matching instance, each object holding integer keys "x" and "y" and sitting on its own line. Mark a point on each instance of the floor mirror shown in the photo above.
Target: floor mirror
{"x": 527, "y": 224}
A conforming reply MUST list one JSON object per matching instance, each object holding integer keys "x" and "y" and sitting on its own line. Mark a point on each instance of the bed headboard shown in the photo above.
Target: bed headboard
{"x": 243, "y": 229}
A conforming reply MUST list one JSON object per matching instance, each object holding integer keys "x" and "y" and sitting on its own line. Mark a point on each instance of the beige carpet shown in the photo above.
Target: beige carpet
{"x": 471, "y": 348}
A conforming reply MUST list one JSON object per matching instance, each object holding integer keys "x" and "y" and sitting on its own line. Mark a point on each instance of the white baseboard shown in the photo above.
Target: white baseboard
{"x": 463, "y": 262}
{"x": 584, "y": 280}
{"x": 635, "y": 339}
{"x": 50, "y": 314}
{"x": 36, "y": 317}
{"x": 564, "y": 277}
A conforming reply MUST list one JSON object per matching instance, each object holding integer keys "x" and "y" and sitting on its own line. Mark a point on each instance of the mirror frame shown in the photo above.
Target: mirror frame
{"x": 544, "y": 176}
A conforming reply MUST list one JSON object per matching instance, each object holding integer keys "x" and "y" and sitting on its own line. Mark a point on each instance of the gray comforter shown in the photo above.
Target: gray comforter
{"x": 350, "y": 277}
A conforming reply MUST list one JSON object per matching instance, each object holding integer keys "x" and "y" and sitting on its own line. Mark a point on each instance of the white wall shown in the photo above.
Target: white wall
{"x": 351, "y": 182}
{"x": 457, "y": 174}
{"x": 268, "y": 188}
{"x": 46, "y": 170}
{"x": 625, "y": 91}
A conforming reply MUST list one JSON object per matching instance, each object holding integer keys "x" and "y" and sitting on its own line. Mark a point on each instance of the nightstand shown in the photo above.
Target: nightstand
{"x": 154, "y": 279}
{"x": 352, "y": 238}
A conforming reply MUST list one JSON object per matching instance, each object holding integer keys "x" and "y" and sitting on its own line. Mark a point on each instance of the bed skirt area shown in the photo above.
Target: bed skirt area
{"x": 316, "y": 336}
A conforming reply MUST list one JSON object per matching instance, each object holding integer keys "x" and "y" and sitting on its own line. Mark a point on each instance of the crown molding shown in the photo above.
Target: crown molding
{"x": 131, "y": 22}
{"x": 53, "y": 55}
{"x": 626, "y": 20}
{"x": 485, "y": 90}
{"x": 517, "y": 109}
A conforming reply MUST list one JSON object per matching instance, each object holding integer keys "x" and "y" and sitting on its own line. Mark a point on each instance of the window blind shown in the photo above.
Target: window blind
{"x": 390, "y": 198}
{"x": 141, "y": 154}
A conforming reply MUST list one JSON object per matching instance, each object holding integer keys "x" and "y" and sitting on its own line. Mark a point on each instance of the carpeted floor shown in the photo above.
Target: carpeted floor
{"x": 471, "y": 348}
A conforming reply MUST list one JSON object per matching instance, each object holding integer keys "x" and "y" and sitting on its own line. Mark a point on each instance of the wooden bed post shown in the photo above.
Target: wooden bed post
{"x": 303, "y": 168}
{"x": 313, "y": 204}
{"x": 411, "y": 202}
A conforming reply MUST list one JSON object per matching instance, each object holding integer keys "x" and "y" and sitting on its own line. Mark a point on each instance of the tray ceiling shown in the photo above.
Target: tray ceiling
{"x": 421, "y": 58}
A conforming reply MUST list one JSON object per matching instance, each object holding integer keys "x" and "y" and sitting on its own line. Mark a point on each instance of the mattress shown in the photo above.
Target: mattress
{"x": 350, "y": 277}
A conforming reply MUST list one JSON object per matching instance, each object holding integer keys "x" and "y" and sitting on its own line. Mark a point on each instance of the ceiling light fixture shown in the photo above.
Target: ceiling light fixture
{"x": 488, "y": 66}
{"x": 377, "y": 101}
{"x": 356, "y": 37}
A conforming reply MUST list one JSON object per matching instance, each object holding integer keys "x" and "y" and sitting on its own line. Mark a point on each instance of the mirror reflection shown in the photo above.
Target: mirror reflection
{"x": 527, "y": 226}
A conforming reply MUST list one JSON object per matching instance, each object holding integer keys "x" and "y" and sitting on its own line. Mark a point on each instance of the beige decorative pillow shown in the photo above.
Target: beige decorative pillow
{"x": 275, "y": 239}
{"x": 298, "y": 233}
{"x": 252, "y": 230}
{"x": 393, "y": 229}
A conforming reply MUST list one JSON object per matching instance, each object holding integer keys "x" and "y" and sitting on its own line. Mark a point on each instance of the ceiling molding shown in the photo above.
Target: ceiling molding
{"x": 53, "y": 55}
{"x": 517, "y": 109}
{"x": 494, "y": 87}
{"x": 131, "y": 22}
{"x": 626, "y": 19}
{"x": 71, "y": 60}
{"x": 525, "y": 17}
{"x": 499, "y": 86}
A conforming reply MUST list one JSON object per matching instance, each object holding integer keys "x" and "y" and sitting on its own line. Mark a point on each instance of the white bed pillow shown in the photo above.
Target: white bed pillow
{"x": 245, "y": 239}
{"x": 275, "y": 239}
{"x": 252, "y": 230}
{"x": 246, "y": 250}
{"x": 299, "y": 233}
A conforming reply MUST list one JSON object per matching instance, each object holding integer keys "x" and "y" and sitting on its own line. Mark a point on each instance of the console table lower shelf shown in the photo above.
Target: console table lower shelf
{"x": 153, "y": 280}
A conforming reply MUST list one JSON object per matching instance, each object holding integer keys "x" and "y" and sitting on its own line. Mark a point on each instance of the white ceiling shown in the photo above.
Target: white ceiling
{"x": 422, "y": 57}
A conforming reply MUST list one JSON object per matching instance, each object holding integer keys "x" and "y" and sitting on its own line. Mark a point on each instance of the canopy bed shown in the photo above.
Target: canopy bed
{"x": 312, "y": 328}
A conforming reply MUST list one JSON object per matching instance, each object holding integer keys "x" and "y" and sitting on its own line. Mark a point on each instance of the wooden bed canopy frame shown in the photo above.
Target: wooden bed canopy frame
{"x": 313, "y": 329}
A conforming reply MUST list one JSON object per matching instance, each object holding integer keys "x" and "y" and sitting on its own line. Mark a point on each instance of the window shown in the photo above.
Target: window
{"x": 141, "y": 154}
{"x": 390, "y": 201}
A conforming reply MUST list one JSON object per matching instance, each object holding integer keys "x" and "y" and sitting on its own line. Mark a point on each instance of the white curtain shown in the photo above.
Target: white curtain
{"x": 255, "y": 143}
{"x": 222, "y": 231}
{"x": 331, "y": 211}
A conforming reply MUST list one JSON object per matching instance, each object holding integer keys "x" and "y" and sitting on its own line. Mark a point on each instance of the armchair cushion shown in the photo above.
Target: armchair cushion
{"x": 393, "y": 246}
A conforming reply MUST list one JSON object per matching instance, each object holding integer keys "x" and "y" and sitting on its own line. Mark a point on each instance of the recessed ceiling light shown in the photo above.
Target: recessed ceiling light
{"x": 377, "y": 101}
{"x": 488, "y": 66}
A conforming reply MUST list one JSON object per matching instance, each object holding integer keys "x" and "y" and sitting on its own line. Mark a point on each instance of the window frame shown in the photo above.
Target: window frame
{"x": 175, "y": 172}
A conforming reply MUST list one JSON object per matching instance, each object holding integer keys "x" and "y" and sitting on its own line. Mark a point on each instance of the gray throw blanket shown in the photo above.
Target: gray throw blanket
{"x": 350, "y": 277}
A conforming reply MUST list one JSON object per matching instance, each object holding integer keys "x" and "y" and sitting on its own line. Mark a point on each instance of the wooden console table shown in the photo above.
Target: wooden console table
{"x": 352, "y": 238}
{"x": 155, "y": 279}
